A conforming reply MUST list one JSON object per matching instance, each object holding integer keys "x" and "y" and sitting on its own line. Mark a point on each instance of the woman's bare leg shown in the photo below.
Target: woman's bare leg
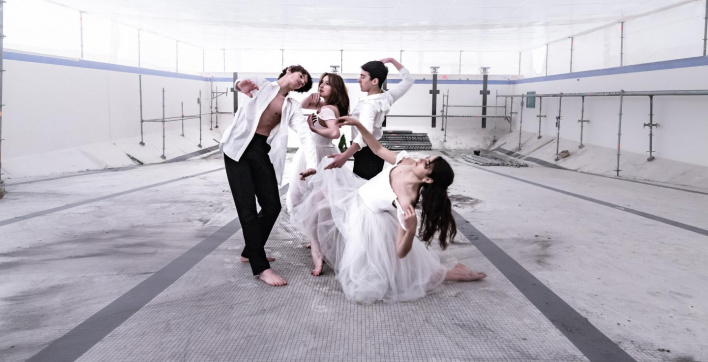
{"x": 316, "y": 257}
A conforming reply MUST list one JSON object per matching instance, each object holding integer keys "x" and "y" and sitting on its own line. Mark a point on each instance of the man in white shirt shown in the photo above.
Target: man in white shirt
{"x": 254, "y": 149}
{"x": 371, "y": 111}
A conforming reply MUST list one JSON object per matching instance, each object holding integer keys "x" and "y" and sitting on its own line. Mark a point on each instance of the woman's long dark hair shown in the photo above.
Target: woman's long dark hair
{"x": 437, "y": 208}
{"x": 339, "y": 97}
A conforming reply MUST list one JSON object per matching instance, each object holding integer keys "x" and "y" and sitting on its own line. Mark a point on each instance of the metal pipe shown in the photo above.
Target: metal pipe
{"x": 224, "y": 54}
{"x": 622, "y": 44}
{"x": 511, "y": 112}
{"x": 460, "y": 68}
{"x": 432, "y": 115}
{"x": 519, "y": 63}
{"x": 582, "y": 121}
{"x": 698, "y": 92}
{"x": 540, "y": 108}
{"x": 163, "y": 125}
{"x": 140, "y": 83}
{"x": 558, "y": 128}
{"x": 2, "y": 70}
{"x": 199, "y": 102}
{"x": 546, "y": 59}
{"x": 203, "y": 61}
{"x": 341, "y": 59}
{"x": 182, "y": 104}
{"x": 81, "y": 21}
{"x": 651, "y": 126}
{"x": 572, "y": 41}
{"x": 619, "y": 135}
{"x": 705, "y": 30}
{"x": 521, "y": 121}
{"x": 211, "y": 103}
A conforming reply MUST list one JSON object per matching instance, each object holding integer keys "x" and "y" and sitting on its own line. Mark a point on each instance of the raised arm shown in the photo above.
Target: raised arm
{"x": 298, "y": 123}
{"x": 248, "y": 85}
{"x": 311, "y": 102}
{"x": 376, "y": 147}
{"x": 406, "y": 79}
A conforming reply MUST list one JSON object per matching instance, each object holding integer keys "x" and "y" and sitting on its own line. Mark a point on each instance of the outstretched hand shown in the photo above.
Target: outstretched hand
{"x": 386, "y": 60}
{"x": 306, "y": 173}
{"x": 410, "y": 220}
{"x": 339, "y": 160}
{"x": 246, "y": 86}
{"x": 347, "y": 121}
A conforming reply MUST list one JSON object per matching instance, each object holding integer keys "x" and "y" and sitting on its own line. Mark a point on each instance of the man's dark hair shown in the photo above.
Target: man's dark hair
{"x": 301, "y": 69}
{"x": 376, "y": 70}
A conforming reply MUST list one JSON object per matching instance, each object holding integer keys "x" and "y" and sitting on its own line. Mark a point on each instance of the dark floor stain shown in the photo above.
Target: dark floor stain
{"x": 461, "y": 201}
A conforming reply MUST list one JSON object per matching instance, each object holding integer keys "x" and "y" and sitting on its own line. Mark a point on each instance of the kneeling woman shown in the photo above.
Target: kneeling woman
{"x": 366, "y": 229}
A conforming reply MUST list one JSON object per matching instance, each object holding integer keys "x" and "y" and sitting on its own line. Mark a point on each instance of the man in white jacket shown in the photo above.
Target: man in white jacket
{"x": 371, "y": 112}
{"x": 254, "y": 148}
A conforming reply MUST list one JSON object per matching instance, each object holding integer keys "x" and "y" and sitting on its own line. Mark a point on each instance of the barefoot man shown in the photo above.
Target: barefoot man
{"x": 254, "y": 149}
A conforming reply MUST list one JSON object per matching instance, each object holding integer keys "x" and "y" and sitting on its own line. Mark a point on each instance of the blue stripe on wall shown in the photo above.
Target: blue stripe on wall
{"x": 647, "y": 67}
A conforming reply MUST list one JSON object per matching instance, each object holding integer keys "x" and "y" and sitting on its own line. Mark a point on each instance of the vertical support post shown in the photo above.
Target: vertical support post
{"x": 163, "y": 125}
{"x": 546, "y": 59}
{"x": 341, "y": 60}
{"x": 511, "y": 111}
{"x": 282, "y": 58}
{"x": 216, "y": 108}
{"x": 520, "y": 66}
{"x": 619, "y": 133}
{"x": 446, "y": 110}
{"x": 459, "y": 71}
{"x": 235, "y": 77}
{"x": 203, "y": 61}
{"x": 521, "y": 120}
{"x": 434, "y": 92}
{"x": 81, "y": 21}
{"x": 140, "y": 85}
{"x": 540, "y": 115}
{"x": 621, "y": 46}
{"x": 139, "y": 48}
{"x": 558, "y": 127}
{"x": 651, "y": 126}
{"x": 182, "y": 118}
{"x": 199, "y": 103}
{"x": 223, "y": 51}
{"x": 484, "y": 92}
{"x": 572, "y": 41}
{"x": 211, "y": 104}
{"x": 582, "y": 121}
{"x": 176, "y": 56}
{"x": 2, "y": 36}
{"x": 705, "y": 30}
{"x": 400, "y": 56}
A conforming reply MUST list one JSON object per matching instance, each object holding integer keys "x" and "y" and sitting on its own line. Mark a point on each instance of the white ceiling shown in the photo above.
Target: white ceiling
{"x": 439, "y": 25}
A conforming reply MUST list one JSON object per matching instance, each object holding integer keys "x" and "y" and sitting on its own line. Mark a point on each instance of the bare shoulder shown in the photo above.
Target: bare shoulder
{"x": 331, "y": 108}
{"x": 407, "y": 161}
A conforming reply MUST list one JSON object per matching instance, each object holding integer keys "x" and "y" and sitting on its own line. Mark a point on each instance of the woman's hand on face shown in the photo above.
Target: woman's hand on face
{"x": 410, "y": 220}
{"x": 347, "y": 121}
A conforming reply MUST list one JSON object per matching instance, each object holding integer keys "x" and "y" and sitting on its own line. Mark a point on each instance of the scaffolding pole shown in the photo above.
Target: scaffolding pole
{"x": 521, "y": 120}
{"x": 540, "y": 115}
{"x": 163, "y": 125}
{"x": 2, "y": 36}
{"x": 651, "y": 126}
{"x": 705, "y": 30}
{"x": 619, "y": 135}
{"x": 558, "y": 128}
{"x": 582, "y": 121}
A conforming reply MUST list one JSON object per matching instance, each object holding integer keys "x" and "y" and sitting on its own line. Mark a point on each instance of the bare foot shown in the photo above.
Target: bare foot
{"x": 461, "y": 273}
{"x": 269, "y": 258}
{"x": 317, "y": 260}
{"x": 272, "y": 279}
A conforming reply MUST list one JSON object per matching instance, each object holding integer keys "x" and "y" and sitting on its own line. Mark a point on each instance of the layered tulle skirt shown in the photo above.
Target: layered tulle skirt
{"x": 359, "y": 243}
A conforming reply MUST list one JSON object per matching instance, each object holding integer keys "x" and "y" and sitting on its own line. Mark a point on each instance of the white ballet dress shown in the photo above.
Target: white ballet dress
{"x": 356, "y": 223}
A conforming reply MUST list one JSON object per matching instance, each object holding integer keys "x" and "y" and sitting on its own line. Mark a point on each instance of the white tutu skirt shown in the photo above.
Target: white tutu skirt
{"x": 299, "y": 189}
{"x": 360, "y": 243}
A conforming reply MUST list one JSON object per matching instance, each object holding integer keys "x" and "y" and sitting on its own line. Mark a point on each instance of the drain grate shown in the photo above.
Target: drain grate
{"x": 488, "y": 158}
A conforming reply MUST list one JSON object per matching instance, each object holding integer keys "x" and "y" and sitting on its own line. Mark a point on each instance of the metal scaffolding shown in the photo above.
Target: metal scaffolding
{"x": 165, "y": 120}
{"x": 2, "y": 36}
{"x": 621, "y": 94}
{"x": 214, "y": 104}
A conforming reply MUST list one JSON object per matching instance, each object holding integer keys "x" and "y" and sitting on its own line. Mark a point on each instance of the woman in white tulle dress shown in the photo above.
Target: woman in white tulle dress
{"x": 331, "y": 101}
{"x": 366, "y": 229}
